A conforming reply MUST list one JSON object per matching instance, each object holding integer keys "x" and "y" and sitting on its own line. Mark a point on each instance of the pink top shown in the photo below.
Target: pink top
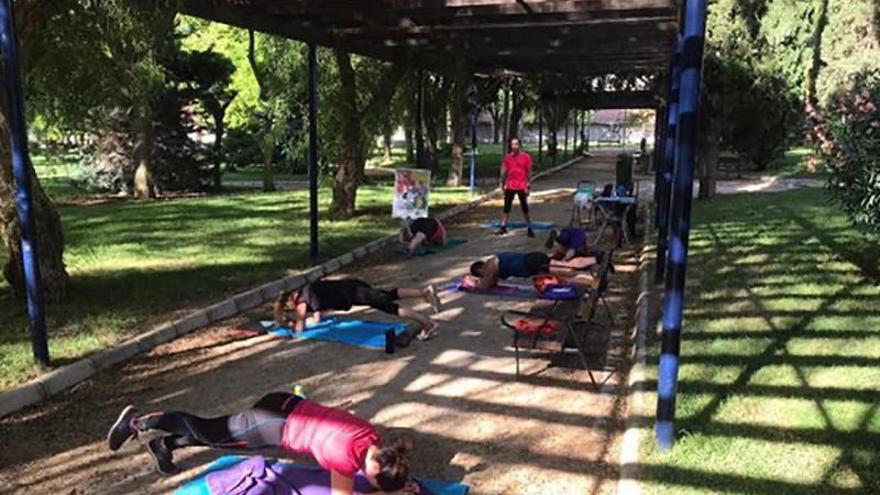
{"x": 337, "y": 439}
{"x": 516, "y": 169}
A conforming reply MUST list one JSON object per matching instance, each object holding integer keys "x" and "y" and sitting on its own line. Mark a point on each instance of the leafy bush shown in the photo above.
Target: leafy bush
{"x": 849, "y": 139}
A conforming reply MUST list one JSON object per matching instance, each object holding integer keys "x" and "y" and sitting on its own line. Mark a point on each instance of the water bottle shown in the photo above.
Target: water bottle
{"x": 389, "y": 341}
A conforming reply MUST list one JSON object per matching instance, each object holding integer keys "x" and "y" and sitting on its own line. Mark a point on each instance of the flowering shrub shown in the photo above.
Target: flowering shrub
{"x": 849, "y": 139}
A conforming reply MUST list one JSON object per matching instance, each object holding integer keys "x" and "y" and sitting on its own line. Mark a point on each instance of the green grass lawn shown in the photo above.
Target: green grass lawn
{"x": 133, "y": 264}
{"x": 489, "y": 158}
{"x": 779, "y": 387}
{"x": 793, "y": 164}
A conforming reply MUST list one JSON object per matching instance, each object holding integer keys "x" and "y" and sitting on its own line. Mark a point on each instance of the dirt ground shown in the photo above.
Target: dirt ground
{"x": 456, "y": 396}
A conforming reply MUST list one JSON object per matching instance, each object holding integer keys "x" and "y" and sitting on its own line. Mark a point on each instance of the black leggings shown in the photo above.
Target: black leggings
{"x": 523, "y": 201}
{"x": 257, "y": 427}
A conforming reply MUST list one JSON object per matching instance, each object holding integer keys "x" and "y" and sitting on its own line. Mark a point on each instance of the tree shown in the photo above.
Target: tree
{"x": 33, "y": 19}
{"x": 437, "y": 90}
{"x": 358, "y": 101}
{"x": 206, "y": 76}
{"x": 850, "y": 143}
{"x": 459, "y": 110}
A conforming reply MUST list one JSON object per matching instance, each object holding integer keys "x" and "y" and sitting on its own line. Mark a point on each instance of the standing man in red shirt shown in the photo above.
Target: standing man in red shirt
{"x": 516, "y": 178}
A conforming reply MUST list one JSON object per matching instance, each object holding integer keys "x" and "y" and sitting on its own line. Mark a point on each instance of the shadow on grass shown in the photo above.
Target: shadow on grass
{"x": 777, "y": 390}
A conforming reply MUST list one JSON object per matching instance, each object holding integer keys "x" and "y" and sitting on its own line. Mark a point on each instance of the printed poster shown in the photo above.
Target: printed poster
{"x": 411, "y": 188}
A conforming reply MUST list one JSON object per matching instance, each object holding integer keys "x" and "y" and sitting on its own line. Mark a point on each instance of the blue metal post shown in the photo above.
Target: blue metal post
{"x": 683, "y": 183}
{"x": 663, "y": 174}
{"x": 21, "y": 170}
{"x": 313, "y": 151}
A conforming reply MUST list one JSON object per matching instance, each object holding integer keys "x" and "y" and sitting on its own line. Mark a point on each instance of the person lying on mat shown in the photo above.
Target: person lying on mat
{"x": 341, "y": 295}
{"x": 486, "y": 274}
{"x": 568, "y": 243}
{"x": 422, "y": 231}
{"x": 339, "y": 441}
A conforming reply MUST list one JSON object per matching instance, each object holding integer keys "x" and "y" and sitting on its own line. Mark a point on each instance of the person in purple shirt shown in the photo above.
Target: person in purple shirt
{"x": 568, "y": 243}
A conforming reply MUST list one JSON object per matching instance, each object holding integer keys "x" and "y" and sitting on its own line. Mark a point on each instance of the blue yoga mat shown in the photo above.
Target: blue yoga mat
{"x": 354, "y": 332}
{"x": 307, "y": 480}
{"x": 496, "y": 224}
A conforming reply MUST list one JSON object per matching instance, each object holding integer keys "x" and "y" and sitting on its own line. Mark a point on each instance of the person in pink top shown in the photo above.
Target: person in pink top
{"x": 339, "y": 441}
{"x": 516, "y": 178}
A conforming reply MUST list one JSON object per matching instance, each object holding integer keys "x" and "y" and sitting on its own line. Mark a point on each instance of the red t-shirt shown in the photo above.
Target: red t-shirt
{"x": 337, "y": 439}
{"x": 516, "y": 169}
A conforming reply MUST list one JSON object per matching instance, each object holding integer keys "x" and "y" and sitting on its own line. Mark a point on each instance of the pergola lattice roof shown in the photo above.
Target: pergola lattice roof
{"x": 582, "y": 36}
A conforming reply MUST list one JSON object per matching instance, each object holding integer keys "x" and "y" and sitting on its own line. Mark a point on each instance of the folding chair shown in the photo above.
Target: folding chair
{"x": 583, "y": 211}
{"x": 574, "y": 316}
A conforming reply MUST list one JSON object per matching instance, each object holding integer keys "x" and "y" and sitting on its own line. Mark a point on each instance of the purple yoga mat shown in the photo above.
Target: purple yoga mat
{"x": 255, "y": 476}
{"x": 507, "y": 290}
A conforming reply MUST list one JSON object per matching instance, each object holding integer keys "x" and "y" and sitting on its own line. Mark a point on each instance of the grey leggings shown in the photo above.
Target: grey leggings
{"x": 257, "y": 427}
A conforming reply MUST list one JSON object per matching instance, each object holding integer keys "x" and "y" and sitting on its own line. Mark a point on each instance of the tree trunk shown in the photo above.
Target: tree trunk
{"x": 348, "y": 176}
{"x": 268, "y": 166}
{"x": 709, "y": 151}
{"x": 50, "y": 237}
{"x": 459, "y": 113}
{"x": 497, "y": 123}
{"x": 408, "y": 132}
{"x": 352, "y": 161}
{"x": 516, "y": 111}
{"x": 386, "y": 144}
{"x": 219, "y": 130}
{"x": 811, "y": 99}
{"x": 144, "y": 188}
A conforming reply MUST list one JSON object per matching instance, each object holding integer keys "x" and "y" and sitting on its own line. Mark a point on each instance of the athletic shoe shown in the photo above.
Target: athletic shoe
{"x": 435, "y": 299}
{"x": 161, "y": 456}
{"x": 121, "y": 430}
{"x": 428, "y": 333}
{"x": 530, "y": 232}
{"x": 501, "y": 231}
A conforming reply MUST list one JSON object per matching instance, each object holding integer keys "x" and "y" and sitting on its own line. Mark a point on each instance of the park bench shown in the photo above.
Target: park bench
{"x": 570, "y": 324}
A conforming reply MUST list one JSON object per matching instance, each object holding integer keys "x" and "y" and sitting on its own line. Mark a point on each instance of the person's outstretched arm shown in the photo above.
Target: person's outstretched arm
{"x": 490, "y": 275}
{"x": 301, "y": 315}
{"x": 341, "y": 484}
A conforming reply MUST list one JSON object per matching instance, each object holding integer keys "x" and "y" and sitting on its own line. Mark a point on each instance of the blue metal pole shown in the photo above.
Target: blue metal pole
{"x": 663, "y": 177}
{"x": 474, "y": 107}
{"x": 21, "y": 170}
{"x": 683, "y": 183}
{"x": 313, "y": 151}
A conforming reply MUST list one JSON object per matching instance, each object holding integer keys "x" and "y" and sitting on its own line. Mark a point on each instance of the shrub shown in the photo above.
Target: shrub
{"x": 849, "y": 139}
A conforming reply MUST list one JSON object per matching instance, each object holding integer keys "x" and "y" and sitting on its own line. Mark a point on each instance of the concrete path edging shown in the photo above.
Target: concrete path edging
{"x": 64, "y": 377}
{"x": 629, "y": 451}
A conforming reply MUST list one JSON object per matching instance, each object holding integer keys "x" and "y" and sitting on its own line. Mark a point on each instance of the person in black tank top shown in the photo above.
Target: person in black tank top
{"x": 307, "y": 303}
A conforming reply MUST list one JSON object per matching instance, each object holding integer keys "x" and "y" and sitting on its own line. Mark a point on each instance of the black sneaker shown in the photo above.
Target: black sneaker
{"x": 121, "y": 430}
{"x": 501, "y": 231}
{"x": 530, "y": 233}
{"x": 161, "y": 456}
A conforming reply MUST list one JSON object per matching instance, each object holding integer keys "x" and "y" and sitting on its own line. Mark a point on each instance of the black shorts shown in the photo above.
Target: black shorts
{"x": 537, "y": 263}
{"x": 523, "y": 200}
{"x": 341, "y": 295}
{"x": 383, "y": 300}
{"x": 427, "y": 226}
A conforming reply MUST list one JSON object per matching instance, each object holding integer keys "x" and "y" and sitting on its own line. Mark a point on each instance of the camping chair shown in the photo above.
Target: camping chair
{"x": 575, "y": 317}
{"x": 583, "y": 211}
